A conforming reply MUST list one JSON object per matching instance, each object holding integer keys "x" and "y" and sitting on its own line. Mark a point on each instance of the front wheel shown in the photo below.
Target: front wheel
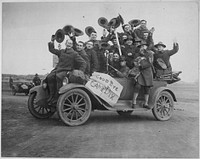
{"x": 41, "y": 111}
{"x": 74, "y": 107}
{"x": 164, "y": 106}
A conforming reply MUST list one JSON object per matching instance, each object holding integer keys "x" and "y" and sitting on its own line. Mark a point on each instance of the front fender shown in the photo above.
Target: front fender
{"x": 155, "y": 93}
{"x": 41, "y": 93}
{"x": 96, "y": 101}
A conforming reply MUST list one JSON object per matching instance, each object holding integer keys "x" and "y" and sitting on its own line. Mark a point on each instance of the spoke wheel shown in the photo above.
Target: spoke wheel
{"x": 74, "y": 107}
{"x": 164, "y": 106}
{"x": 124, "y": 113}
{"x": 38, "y": 111}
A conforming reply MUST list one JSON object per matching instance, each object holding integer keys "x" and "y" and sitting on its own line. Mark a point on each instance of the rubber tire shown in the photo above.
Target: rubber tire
{"x": 154, "y": 110}
{"x": 34, "y": 112}
{"x": 87, "y": 102}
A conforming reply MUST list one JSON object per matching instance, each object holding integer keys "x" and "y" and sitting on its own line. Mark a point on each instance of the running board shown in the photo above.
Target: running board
{"x": 126, "y": 105}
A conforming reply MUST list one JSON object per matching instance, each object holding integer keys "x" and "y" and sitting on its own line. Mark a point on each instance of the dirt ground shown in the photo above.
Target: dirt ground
{"x": 105, "y": 134}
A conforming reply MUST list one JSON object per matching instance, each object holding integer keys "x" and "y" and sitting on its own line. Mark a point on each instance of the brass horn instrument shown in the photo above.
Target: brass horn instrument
{"x": 59, "y": 35}
{"x": 134, "y": 22}
{"x": 89, "y": 30}
{"x": 103, "y": 22}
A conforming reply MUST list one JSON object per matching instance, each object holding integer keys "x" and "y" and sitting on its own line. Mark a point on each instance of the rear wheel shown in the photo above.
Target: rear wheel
{"x": 39, "y": 111}
{"x": 74, "y": 107}
{"x": 164, "y": 106}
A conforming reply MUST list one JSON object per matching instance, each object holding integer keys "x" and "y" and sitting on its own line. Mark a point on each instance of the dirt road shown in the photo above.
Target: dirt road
{"x": 105, "y": 134}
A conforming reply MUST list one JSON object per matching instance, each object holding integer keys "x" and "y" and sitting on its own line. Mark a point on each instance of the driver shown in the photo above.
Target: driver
{"x": 68, "y": 59}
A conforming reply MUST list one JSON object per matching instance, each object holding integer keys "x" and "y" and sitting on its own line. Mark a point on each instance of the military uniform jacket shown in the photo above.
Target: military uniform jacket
{"x": 146, "y": 74}
{"x": 68, "y": 59}
{"x": 83, "y": 54}
{"x": 130, "y": 53}
{"x": 165, "y": 56}
{"x": 92, "y": 55}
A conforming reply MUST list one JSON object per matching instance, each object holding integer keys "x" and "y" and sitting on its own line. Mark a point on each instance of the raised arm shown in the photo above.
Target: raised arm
{"x": 52, "y": 47}
{"x": 174, "y": 50}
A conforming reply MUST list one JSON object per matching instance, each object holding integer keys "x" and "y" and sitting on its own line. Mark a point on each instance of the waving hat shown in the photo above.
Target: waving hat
{"x": 160, "y": 43}
{"x": 89, "y": 30}
{"x": 134, "y": 22}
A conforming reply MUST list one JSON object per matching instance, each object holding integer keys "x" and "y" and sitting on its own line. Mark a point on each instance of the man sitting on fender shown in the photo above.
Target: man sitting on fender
{"x": 68, "y": 59}
{"x": 161, "y": 58}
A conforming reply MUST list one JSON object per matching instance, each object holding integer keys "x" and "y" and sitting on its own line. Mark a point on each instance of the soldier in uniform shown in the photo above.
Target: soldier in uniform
{"x": 68, "y": 59}
{"x": 148, "y": 38}
{"x": 80, "y": 49}
{"x": 145, "y": 78}
{"x": 36, "y": 80}
{"x": 92, "y": 55}
{"x": 161, "y": 58}
{"x": 141, "y": 28}
{"x": 123, "y": 70}
{"x": 114, "y": 47}
{"x": 129, "y": 51}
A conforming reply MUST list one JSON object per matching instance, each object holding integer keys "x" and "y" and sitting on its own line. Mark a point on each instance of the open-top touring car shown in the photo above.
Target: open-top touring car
{"x": 77, "y": 101}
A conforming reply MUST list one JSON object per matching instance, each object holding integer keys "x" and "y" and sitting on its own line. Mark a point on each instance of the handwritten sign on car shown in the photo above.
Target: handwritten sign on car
{"x": 105, "y": 87}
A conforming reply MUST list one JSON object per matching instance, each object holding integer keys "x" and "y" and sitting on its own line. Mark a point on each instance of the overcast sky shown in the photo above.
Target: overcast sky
{"x": 27, "y": 28}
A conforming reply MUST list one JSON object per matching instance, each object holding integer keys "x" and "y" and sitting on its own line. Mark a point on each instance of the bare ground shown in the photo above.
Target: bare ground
{"x": 105, "y": 134}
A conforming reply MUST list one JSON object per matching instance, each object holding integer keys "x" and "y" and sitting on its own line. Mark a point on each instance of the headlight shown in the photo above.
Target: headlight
{"x": 65, "y": 81}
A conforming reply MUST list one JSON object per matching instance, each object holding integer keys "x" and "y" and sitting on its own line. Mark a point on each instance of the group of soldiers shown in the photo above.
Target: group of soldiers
{"x": 130, "y": 53}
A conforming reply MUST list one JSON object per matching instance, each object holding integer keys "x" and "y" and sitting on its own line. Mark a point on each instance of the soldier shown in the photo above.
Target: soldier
{"x": 139, "y": 30}
{"x": 11, "y": 82}
{"x": 114, "y": 61}
{"x": 127, "y": 33}
{"x": 80, "y": 49}
{"x": 124, "y": 70}
{"x": 145, "y": 78}
{"x": 36, "y": 80}
{"x": 92, "y": 55}
{"x": 161, "y": 58}
{"x": 129, "y": 51}
{"x": 68, "y": 59}
{"x": 148, "y": 38}
{"x": 114, "y": 47}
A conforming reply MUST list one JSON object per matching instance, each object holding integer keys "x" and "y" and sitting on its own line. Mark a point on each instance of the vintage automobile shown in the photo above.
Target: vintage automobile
{"x": 76, "y": 101}
{"x": 21, "y": 87}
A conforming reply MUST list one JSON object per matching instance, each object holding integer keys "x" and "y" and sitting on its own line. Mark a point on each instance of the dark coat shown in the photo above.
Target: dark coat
{"x": 93, "y": 58}
{"x": 165, "y": 56}
{"x": 67, "y": 60}
{"x": 101, "y": 60}
{"x": 123, "y": 72}
{"x": 84, "y": 55}
{"x": 36, "y": 80}
{"x": 146, "y": 74}
{"x": 130, "y": 54}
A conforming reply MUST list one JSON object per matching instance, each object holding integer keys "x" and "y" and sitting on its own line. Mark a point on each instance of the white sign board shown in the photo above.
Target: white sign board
{"x": 105, "y": 87}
